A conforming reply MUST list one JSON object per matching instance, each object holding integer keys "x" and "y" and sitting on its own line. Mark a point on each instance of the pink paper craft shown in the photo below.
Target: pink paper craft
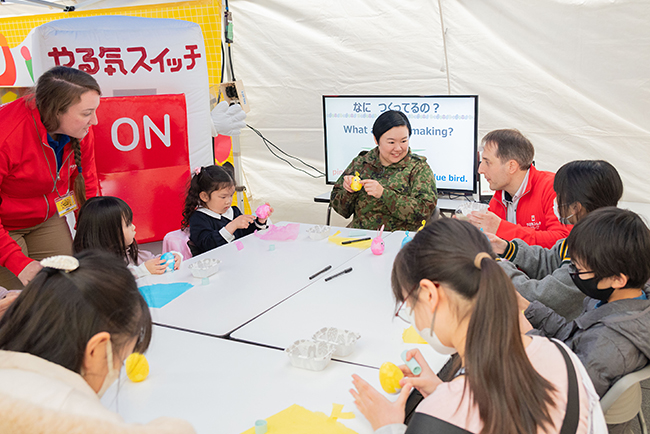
{"x": 263, "y": 211}
{"x": 281, "y": 233}
{"x": 239, "y": 245}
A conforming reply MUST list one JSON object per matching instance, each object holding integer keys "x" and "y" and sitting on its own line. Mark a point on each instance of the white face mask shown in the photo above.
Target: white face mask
{"x": 430, "y": 336}
{"x": 556, "y": 210}
{"x": 113, "y": 374}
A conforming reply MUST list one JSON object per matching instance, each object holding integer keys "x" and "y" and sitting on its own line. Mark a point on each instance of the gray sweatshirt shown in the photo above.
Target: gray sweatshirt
{"x": 543, "y": 275}
{"x": 611, "y": 341}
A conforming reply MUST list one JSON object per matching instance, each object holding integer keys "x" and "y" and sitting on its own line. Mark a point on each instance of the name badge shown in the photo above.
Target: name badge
{"x": 66, "y": 204}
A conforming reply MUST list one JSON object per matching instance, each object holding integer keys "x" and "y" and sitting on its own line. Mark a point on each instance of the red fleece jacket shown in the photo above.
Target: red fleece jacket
{"x": 27, "y": 169}
{"x": 536, "y": 221}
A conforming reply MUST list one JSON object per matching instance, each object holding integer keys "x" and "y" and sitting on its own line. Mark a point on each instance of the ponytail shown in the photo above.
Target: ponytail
{"x": 500, "y": 377}
{"x": 509, "y": 393}
{"x": 79, "y": 182}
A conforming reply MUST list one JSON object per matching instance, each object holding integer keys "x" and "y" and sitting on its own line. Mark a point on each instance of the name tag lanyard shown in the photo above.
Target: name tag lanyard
{"x": 66, "y": 203}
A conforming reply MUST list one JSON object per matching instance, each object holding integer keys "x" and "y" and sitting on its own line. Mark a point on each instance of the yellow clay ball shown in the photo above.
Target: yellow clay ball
{"x": 389, "y": 376}
{"x": 137, "y": 367}
{"x": 356, "y": 185}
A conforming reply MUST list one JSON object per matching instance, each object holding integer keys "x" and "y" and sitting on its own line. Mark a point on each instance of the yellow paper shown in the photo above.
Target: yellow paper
{"x": 337, "y": 412}
{"x": 298, "y": 420}
{"x": 411, "y": 336}
{"x": 339, "y": 240}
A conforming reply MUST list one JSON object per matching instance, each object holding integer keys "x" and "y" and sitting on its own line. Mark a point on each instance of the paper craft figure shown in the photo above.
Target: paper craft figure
{"x": 356, "y": 185}
{"x": 377, "y": 246}
{"x": 279, "y": 233}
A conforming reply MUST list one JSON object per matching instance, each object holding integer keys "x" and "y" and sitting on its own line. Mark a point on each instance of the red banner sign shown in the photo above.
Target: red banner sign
{"x": 142, "y": 157}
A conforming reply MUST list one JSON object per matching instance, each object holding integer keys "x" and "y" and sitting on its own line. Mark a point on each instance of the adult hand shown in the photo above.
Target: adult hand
{"x": 426, "y": 382}
{"x": 6, "y": 302}
{"x": 375, "y": 407}
{"x": 29, "y": 272}
{"x": 347, "y": 183}
{"x": 372, "y": 187}
{"x": 156, "y": 265}
{"x": 499, "y": 245}
{"x": 488, "y": 221}
{"x": 228, "y": 119}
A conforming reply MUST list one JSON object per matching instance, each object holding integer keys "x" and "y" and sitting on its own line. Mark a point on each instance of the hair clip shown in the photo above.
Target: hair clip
{"x": 61, "y": 262}
{"x": 197, "y": 170}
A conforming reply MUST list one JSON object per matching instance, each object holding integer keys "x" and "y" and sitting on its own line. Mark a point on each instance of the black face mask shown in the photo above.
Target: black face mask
{"x": 589, "y": 287}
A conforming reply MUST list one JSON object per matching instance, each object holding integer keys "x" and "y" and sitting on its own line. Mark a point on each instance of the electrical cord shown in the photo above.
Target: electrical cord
{"x": 232, "y": 70}
{"x": 267, "y": 142}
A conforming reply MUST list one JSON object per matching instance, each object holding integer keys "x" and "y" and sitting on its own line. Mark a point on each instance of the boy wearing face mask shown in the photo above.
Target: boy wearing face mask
{"x": 543, "y": 274}
{"x": 612, "y": 335}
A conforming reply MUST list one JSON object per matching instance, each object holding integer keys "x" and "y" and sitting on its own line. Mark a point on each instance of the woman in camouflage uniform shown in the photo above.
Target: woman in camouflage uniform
{"x": 399, "y": 189}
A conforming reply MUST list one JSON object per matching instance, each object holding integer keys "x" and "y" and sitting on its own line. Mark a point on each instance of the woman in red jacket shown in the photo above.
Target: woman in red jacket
{"x": 47, "y": 168}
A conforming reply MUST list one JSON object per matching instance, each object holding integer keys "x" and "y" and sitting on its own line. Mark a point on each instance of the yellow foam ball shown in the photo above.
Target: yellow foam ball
{"x": 389, "y": 376}
{"x": 137, "y": 367}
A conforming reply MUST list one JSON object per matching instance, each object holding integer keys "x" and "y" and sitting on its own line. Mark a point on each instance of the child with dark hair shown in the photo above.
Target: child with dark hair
{"x": 63, "y": 343}
{"x": 453, "y": 292}
{"x": 610, "y": 264}
{"x": 209, "y": 213}
{"x": 541, "y": 274}
{"x": 106, "y": 223}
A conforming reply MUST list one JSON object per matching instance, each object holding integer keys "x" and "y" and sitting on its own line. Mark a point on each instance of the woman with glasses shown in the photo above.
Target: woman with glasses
{"x": 460, "y": 300}
{"x": 543, "y": 274}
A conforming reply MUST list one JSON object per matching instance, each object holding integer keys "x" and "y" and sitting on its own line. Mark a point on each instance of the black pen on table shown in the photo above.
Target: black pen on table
{"x": 356, "y": 241}
{"x": 320, "y": 272}
{"x": 347, "y": 270}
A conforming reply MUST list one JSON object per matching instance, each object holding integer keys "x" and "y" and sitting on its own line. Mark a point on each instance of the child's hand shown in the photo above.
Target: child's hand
{"x": 375, "y": 407}
{"x": 177, "y": 261}
{"x": 6, "y": 302}
{"x": 426, "y": 382}
{"x": 263, "y": 221}
{"x": 241, "y": 222}
{"x": 156, "y": 265}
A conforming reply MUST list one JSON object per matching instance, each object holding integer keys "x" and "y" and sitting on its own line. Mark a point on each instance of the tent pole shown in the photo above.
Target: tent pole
{"x": 240, "y": 189}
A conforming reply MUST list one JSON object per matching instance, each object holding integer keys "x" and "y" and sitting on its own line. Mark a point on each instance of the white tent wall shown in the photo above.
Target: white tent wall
{"x": 571, "y": 75}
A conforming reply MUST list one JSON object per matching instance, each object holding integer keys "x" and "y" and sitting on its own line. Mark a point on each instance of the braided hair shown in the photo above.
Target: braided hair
{"x": 56, "y": 90}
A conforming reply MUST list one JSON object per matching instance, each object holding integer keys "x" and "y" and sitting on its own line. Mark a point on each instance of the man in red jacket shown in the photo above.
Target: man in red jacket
{"x": 522, "y": 205}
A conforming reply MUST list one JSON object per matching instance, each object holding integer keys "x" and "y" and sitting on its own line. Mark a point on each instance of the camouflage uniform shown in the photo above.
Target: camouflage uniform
{"x": 409, "y": 193}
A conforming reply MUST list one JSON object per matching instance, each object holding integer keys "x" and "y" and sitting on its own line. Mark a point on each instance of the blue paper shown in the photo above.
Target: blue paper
{"x": 160, "y": 294}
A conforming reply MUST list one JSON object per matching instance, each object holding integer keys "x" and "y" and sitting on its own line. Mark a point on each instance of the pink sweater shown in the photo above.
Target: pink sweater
{"x": 446, "y": 404}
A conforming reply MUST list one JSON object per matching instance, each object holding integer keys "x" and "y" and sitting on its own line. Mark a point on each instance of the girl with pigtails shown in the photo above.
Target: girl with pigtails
{"x": 453, "y": 292}
{"x": 47, "y": 168}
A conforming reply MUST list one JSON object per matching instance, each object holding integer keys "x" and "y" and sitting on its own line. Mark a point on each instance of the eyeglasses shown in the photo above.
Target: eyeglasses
{"x": 573, "y": 271}
{"x": 402, "y": 313}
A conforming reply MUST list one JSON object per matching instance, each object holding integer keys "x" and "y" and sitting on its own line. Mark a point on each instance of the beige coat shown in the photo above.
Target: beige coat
{"x": 37, "y": 396}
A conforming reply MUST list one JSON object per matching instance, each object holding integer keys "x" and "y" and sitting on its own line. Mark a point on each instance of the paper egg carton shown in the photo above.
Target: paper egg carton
{"x": 204, "y": 267}
{"x": 310, "y": 354}
{"x": 318, "y": 232}
{"x": 467, "y": 207}
{"x": 344, "y": 340}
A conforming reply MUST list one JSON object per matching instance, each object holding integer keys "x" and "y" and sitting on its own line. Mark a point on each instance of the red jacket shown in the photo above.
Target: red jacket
{"x": 27, "y": 169}
{"x": 536, "y": 221}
